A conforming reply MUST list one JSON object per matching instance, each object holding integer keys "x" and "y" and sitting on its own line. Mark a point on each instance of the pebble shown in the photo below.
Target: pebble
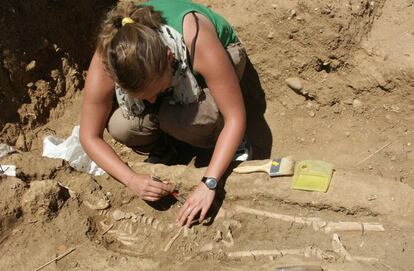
{"x": 348, "y": 134}
{"x": 270, "y": 35}
{"x": 294, "y": 83}
{"x": 312, "y": 114}
{"x": 372, "y": 197}
{"x": 357, "y": 103}
{"x": 370, "y": 167}
{"x": 292, "y": 14}
{"x": 393, "y": 158}
{"x": 348, "y": 101}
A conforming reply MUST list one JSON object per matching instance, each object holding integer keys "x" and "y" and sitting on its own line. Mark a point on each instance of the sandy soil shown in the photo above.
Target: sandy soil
{"x": 355, "y": 61}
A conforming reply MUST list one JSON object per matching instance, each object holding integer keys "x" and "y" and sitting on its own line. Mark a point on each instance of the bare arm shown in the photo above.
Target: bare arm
{"x": 212, "y": 62}
{"x": 96, "y": 107}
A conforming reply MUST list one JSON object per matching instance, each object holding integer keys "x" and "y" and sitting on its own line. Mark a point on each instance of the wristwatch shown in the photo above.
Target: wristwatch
{"x": 210, "y": 182}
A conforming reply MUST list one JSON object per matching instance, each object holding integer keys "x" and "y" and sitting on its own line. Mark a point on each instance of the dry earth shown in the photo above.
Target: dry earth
{"x": 355, "y": 61}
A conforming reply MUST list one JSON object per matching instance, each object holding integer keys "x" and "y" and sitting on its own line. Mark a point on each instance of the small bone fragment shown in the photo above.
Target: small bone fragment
{"x": 276, "y": 252}
{"x": 127, "y": 243}
{"x": 118, "y": 215}
{"x": 155, "y": 224}
{"x": 207, "y": 247}
{"x": 150, "y": 220}
{"x": 353, "y": 226}
{"x": 218, "y": 237}
{"x": 339, "y": 248}
{"x": 107, "y": 229}
{"x": 230, "y": 237}
{"x": 98, "y": 204}
{"x": 169, "y": 244}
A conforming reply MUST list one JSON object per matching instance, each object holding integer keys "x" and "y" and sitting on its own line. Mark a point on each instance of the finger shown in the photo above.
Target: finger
{"x": 191, "y": 216}
{"x": 185, "y": 213}
{"x": 202, "y": 215}
{"x": 157, "y": 190}
{"x": 150, "y": 198}
{"x": 160, "y": 186}
{"x": 151, "y": 194}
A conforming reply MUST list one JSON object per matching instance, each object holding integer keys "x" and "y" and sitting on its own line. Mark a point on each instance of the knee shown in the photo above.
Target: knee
{"x": 132, "y": 132}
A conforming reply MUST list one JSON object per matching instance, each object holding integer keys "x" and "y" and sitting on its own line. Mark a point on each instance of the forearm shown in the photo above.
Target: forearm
{"x": 226, "y": 146}
{"x": 105, "y": 157}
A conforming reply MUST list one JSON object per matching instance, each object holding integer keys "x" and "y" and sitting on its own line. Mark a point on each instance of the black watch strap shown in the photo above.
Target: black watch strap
{"x": 210, "y": 182}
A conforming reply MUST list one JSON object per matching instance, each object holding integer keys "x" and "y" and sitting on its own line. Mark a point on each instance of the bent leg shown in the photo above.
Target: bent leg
{"x": 197, "y": 124}
{"x": 200, "y": 124}
{"x": 134, "y": 132}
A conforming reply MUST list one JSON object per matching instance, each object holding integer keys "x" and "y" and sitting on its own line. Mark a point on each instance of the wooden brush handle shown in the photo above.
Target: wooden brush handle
{"x": 250, "y": 169}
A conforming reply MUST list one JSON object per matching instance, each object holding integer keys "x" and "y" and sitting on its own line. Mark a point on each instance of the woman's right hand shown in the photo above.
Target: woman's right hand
{"x": 148, "y": 189}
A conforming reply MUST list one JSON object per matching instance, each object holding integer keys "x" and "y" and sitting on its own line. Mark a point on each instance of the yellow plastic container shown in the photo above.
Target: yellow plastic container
{"x": 312, "y": 175}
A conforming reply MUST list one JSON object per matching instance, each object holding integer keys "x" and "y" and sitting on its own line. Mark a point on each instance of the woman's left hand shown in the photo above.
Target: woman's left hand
{"x": 199, "y": 200}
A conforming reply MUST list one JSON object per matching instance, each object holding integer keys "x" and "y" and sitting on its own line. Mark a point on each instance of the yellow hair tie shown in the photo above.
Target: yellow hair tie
{"x": 127, "y": 20}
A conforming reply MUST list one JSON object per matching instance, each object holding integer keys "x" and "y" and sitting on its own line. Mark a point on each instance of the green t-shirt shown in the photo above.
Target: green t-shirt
{"x": 173, "y": 12}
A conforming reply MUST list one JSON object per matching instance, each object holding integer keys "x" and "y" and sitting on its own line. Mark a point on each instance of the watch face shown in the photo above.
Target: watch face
{"x": 211, "y": 183}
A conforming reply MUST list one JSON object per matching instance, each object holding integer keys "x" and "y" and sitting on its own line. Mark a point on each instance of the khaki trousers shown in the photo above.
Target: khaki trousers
{"x": 197, "y": 124}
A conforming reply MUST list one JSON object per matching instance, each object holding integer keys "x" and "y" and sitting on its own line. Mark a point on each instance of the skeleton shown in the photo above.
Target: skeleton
{"x": 132, "y": 228}
{"x": 134, "y": 231}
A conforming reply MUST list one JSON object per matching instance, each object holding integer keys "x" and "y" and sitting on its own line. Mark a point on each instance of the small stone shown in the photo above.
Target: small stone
{"x": 393, "y": 158}
{"x": 348, "y": 134}
{"x": 313, "y": 140}
{"x": 348, "y": 101}
{"x": 123, "y": 260}
{"x": 370, "y": 167}
{"x": 337, "y": 109}
{"x": 294, "y": 83}
{"x": 270, "y": 35}
{"x": 357, "y": 103}
{"x": 409, "y": 144}
{"x": 372, "y": 197}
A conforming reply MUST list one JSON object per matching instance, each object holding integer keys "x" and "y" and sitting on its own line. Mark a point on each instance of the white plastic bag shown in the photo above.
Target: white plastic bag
{"x": 71, "y": 150}
{"x": 5, "y": 149}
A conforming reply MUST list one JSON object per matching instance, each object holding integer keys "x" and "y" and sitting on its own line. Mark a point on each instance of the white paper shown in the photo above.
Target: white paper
{"x": 71, "y": 150}
{"x": 8, "y": 170}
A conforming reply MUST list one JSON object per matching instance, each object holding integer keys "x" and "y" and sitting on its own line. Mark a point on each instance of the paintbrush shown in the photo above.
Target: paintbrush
{"x": 174, "y": 193}
{"x": 277, "y": 167}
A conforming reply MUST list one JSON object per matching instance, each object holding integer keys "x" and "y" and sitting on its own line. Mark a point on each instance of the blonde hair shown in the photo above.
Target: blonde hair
{"x": 133, "y": 54}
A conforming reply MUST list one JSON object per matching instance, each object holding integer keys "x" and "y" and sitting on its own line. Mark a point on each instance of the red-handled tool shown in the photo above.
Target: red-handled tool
{"x": 175, "y": 193}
